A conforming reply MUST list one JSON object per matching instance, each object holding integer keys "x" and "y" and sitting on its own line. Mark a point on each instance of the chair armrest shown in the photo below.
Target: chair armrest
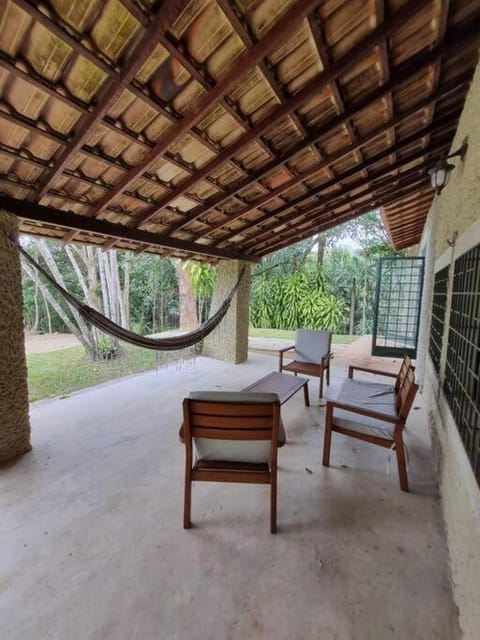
{"x": 377, "y": 372}
{"x": 280, "y": 356}
{"x": 363, "y": 412}
{"x": 327, "y": 356}
{"x": 286, "y": 349}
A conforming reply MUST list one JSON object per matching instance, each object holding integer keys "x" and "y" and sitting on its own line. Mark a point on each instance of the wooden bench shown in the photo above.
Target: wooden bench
{"x": 373, "y": 412}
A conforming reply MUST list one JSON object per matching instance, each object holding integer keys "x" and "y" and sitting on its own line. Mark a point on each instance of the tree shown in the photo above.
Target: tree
{"x": 93, "y": 276}
{"x": 188, "y": 305}
{"x": 202, "y": 278}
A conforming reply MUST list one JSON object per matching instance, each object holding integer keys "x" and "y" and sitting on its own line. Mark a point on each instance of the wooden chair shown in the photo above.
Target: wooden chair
{"x": 312, "y": 355}
{"x": 399, "y": 377}
{"x": 353, "y": 414}
{"x": 235, "y": 436}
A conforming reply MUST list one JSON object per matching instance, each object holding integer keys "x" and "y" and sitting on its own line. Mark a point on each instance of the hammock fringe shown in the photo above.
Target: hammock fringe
{"x": 172, "y": 343}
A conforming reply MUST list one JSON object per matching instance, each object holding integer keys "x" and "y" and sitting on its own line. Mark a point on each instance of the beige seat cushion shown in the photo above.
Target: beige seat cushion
{"x": 256, "y": 451}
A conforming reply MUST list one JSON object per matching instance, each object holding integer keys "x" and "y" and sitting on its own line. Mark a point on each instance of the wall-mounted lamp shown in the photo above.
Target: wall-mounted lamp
{"x": 440, "y": 173}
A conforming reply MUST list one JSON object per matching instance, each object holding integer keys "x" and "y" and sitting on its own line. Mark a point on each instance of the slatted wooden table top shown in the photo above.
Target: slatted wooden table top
{"x": 281, "y": 383}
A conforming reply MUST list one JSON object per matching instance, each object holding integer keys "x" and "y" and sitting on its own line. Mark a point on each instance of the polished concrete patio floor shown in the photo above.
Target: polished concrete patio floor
{"x": 92, "y": 548}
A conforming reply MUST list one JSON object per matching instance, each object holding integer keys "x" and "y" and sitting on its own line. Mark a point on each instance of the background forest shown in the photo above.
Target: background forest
{"x": 324, "y": 282}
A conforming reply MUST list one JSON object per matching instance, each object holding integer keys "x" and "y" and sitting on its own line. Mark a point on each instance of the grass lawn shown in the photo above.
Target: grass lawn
{"x": 58, "y": 373}
{"x": 281, "y": 333}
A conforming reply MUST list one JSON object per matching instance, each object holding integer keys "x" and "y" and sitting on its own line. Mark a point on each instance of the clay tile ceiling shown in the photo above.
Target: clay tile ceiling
{"x": 227, "y": 128}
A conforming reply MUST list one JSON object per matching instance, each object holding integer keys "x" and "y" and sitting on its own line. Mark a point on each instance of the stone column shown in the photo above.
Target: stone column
{"x": 14, "y": 418}
{"x": 229, "y": 341}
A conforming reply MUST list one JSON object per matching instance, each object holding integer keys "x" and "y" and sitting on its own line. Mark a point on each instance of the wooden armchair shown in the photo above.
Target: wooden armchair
{"x": 399, "y": 377}
{"x": 312, "y": 355}
{"x": 367, "y": 412}
{"x": 235, "y": 438}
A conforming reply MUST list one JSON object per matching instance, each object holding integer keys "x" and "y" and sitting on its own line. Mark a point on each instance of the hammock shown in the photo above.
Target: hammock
{"x": 159, "y": 344}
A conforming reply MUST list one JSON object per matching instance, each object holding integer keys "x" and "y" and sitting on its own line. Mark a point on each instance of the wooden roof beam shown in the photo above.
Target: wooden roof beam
{"x": 453, "y": 87}
{"x": 68, "y": 220}
{"x": 339, "y": 67}
{"x": 414, "y": 138}
{"x": 314, "y": 228}
{"x": 360, "y": 190}
{"x": 314, "y": 216}
{"x": 410, "y": 68}
{"x": 316, "y": 30}
{"x": 282, "y": 28}
{"x": 339, "y": 200}
{"x": 168, "y": 12}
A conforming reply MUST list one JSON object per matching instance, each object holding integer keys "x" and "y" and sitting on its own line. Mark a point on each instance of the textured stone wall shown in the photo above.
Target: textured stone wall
{"x": 460, "y": 199}
{"x": 14, "y": 418}
{"x": 457, "y": 229}
{"x": 229, "y": 341}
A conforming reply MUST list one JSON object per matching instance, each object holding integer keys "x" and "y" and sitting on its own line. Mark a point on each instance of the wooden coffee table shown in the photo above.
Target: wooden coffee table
{"x": 282, "y": 384}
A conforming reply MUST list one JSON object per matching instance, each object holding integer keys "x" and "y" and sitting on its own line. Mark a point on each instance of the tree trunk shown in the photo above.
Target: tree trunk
{"x": 103, "y": 284}
{"x": 320, "y": 249}
{"x": 47, "y": 311}
{"x": 353, "y": 298}
{"x": 126, "y": 293}
{"x": 188, "y": 307}
{"x": 84, "y": 340}
{"x": 35, "y": 301}
{"x": 54, "y": 270}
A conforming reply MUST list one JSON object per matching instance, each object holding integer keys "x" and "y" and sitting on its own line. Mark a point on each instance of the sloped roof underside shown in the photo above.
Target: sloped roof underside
{"x": 230, "y": 128}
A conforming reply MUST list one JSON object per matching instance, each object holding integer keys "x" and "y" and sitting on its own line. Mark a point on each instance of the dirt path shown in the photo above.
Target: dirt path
{"x": 42, "y": 343}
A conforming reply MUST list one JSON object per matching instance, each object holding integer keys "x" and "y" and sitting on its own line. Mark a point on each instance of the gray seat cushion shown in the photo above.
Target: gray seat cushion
{"x": 311, "y": 345}
{"x": 363, "y": 395}
{"x": 234, "y": 396}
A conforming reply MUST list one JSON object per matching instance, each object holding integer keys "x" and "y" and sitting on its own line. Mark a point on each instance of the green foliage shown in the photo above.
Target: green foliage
{"x": 106, "y": 348}
{"x": 202, "y": 277}
{"x": 293, "y": 301}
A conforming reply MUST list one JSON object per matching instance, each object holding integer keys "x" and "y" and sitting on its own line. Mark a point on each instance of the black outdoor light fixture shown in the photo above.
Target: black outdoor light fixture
{"x": 440, "y": 173}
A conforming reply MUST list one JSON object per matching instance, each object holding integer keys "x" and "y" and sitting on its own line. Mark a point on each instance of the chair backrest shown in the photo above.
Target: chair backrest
{"x": 232, "y": 426}
{"x": 406, "y": 394}
{"x": 311, "y": 345}
{"x": 404, "y": 368}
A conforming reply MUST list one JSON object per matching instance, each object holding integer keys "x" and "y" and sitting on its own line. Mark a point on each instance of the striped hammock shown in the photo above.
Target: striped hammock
{"x": 172, "y": 343}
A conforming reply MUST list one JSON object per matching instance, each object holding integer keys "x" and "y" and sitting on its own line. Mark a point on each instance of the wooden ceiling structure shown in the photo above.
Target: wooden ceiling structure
{"x": 227, "y": 128}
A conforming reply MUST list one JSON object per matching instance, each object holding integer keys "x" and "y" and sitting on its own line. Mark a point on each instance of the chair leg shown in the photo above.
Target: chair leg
{"x": 328, "y": 374}
{"x": 273, "y": 505}
{"x": 320, "y": 386}
{"x": 187, "y": 505}
{"x": 305, "y": 395}
{"x": 401, "y": 463}
{"x": 327, "y": 438}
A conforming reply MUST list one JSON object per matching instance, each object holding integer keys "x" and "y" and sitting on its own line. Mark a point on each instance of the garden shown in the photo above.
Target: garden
{"x": 324, "y": 282}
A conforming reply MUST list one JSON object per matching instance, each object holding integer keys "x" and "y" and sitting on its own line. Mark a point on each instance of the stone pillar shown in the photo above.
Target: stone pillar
{"x": 229, "y": 341}
{"x": 14, "y": 418}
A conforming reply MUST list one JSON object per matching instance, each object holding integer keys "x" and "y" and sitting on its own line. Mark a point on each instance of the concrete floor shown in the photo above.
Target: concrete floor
{"x": 92, "y": 547}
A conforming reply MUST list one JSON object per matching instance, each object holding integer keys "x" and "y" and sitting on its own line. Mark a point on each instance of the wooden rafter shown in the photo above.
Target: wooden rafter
{"x": 168, "y": 12}
{"x": 405, "y": 144}
{"x": 68, "y": 220}
{"x": 411, "y": 68}
{"x": 313, "y": 87}
{"x": 289, "y": 21}
{"x": 327, "y": 120}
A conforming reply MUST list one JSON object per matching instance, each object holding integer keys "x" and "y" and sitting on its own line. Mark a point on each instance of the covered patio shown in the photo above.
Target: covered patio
{"x": 222, "y": 131}
{"x": 92, "y": 546}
